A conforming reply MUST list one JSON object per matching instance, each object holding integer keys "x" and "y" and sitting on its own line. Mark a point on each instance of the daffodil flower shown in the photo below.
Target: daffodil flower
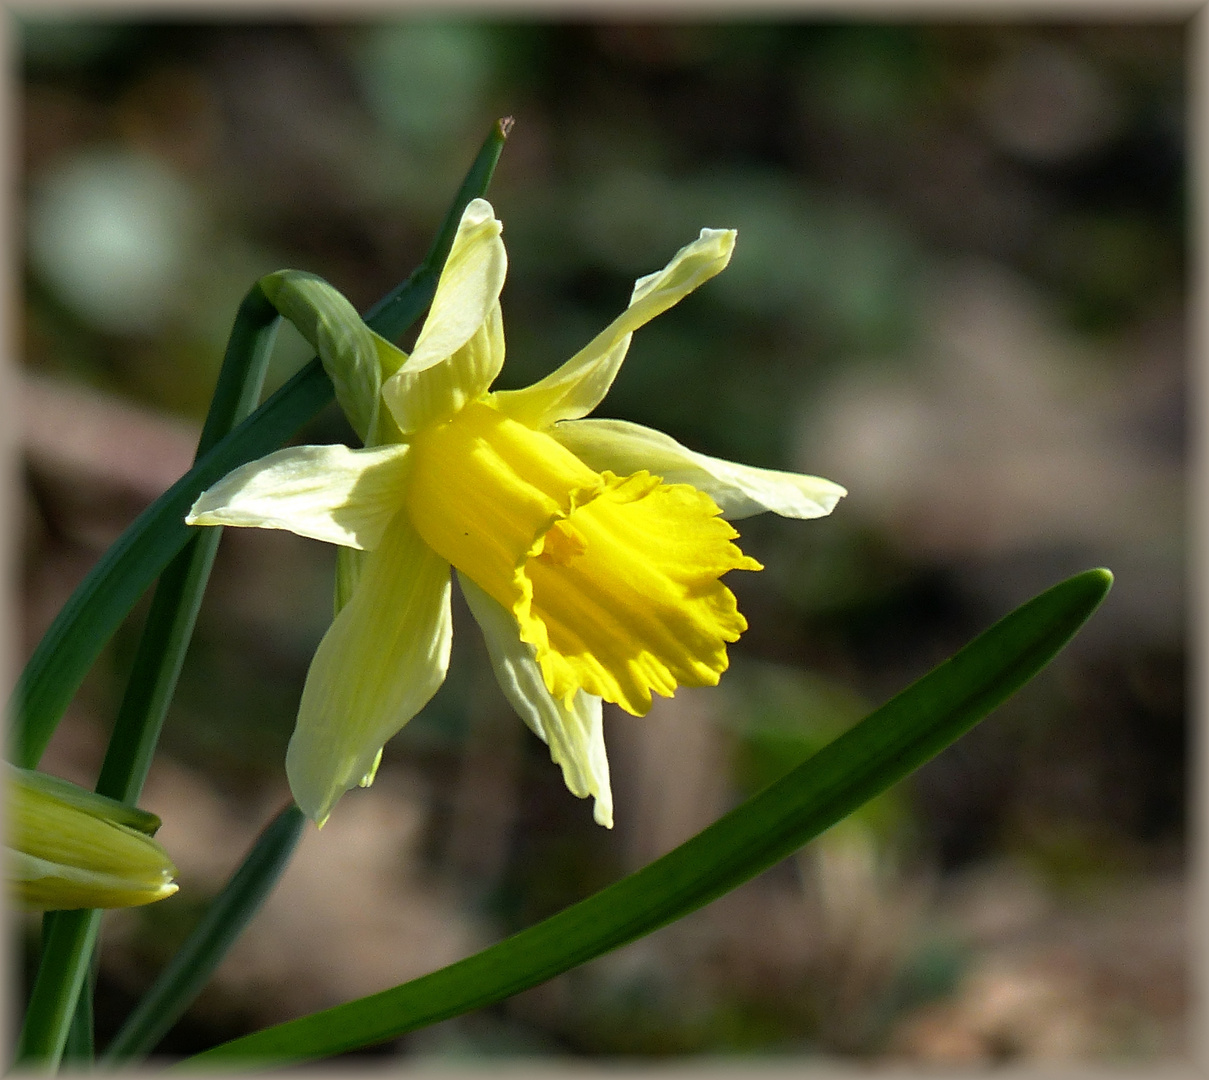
{"x": 70, "y": 848}
{"x": 589, "y": 551}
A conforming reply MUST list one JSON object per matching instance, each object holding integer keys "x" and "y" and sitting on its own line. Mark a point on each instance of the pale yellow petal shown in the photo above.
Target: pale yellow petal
{"x": 579, "y": 385}
{"x": 40, "y": 885}
{"x": 574, "y": 734}
{"x": 328, "y": 493}
{"x": 39, "y": 786}
{"x": 740, "y": 490}
{"x": 349, "y": 562}
{"x": 380, "y": 662}
{"x": 470, "y": 284}
{"x": 419, "y": 398}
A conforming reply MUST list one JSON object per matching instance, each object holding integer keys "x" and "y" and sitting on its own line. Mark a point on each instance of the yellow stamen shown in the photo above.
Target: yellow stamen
{"x": 562, "y": 543}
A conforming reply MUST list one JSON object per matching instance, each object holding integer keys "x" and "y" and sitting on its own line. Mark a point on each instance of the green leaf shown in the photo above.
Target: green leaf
{"x": 188, "y": 971}
{"x": 104, "y": 598}
{"x": 159, "y": 539}
{"x": 178, "y": 595}
{"x": 106, "y": 595}
{"x": 68, "y": 940}
{"x": 70, "y": 935}
{"x": 876, "y": 753}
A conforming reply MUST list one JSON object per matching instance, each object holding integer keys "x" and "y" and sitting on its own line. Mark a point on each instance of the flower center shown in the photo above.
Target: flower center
{"x": 613, "y": 580}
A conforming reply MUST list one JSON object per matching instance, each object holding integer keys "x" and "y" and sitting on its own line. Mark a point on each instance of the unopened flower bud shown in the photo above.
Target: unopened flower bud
{"x": 71, "y": 848}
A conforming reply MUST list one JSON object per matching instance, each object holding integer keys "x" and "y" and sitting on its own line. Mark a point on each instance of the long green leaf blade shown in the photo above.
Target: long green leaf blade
{"x": 876, "y": 753}
{"x": 178, "y": 595}
{"x": 67, "y": 936}
{"x": 189, "y": 970}
{"x": 107, "y": 594}
{"x": 149, "y": 690}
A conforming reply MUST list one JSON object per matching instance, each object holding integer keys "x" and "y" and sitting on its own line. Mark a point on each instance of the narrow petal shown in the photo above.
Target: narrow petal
{"x": 36, "y": 787}
{"x": 575, "y": 735}
{"x": 71, "y": 848}
{"x": 41, "y": 885}
{"x": 349, "y": 562}
{"x": 740, "y": 490}
{"x": 329, "y": 493}
{"x": 577, "y": 387}
{"x": 419, "y": 398}
{"x": 383, "y": 658}
{"x": 470, "y": 285}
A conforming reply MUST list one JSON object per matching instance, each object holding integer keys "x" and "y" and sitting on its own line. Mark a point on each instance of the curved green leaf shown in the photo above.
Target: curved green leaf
{"x": 189, "y": 970}
{"x": 879, "y": 751}
{"x": 70, "y": 935}
{"x": 106, "y": 595}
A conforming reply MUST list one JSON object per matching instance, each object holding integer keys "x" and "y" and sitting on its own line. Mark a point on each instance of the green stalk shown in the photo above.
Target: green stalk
{"x": 178, "y": 596}
{"x": 106, "y": 595}
{"x": 877, "y": 752}
{"x": 71, "y": 935}
{"x": 189, "y": 970}
{"x": 80, "y": 1048}
{"x": 67, "y": 936}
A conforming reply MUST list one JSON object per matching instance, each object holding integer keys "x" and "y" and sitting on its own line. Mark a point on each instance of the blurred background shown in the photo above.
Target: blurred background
{"x": 959, "y": 289}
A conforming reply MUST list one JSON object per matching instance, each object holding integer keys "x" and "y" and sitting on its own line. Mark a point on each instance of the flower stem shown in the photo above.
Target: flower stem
{"x": 187, "y": 972}
{"x": 67, "y": 936}
{"x": 71, "y": 935}
{"x": 159, "y": 541}
{"x": 104, "y": 598}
